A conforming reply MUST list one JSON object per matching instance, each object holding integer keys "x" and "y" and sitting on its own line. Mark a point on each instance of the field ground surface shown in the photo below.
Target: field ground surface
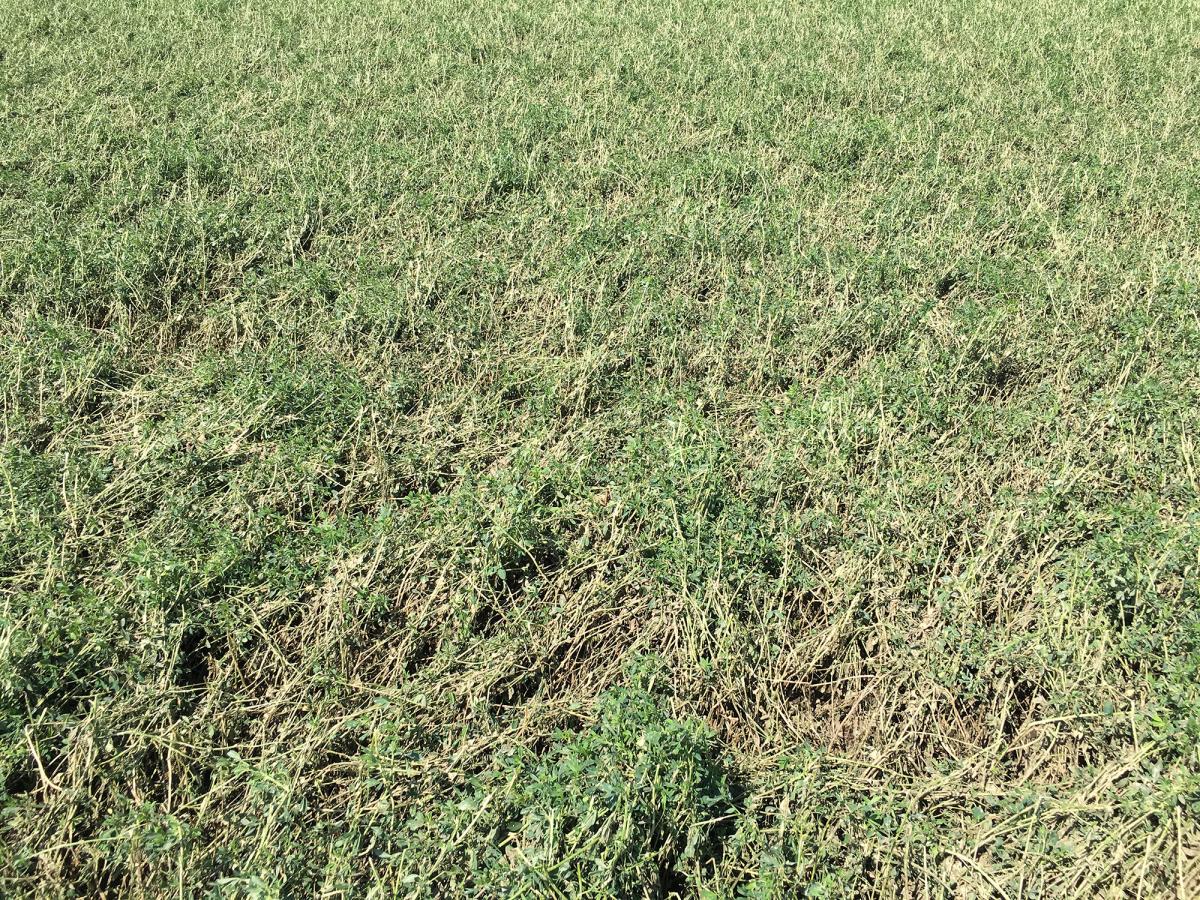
{"x": 589, "y": 448}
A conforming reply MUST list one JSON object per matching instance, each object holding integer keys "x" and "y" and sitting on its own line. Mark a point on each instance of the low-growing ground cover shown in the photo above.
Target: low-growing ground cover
{"x": 593, "y": 448}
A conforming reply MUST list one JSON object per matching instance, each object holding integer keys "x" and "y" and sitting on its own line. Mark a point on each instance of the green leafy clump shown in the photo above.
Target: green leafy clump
{"x": 631, "y": 804}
